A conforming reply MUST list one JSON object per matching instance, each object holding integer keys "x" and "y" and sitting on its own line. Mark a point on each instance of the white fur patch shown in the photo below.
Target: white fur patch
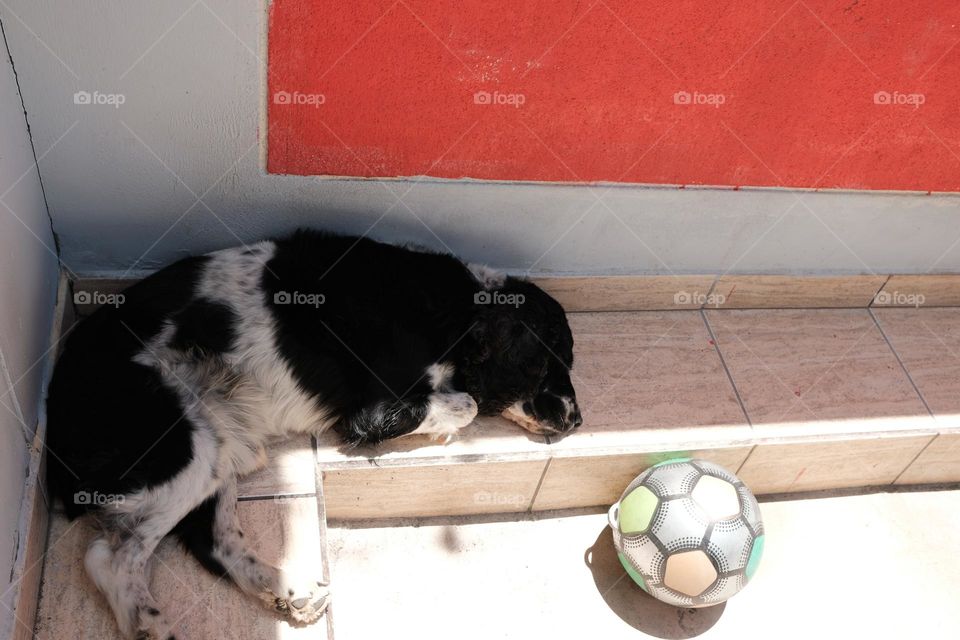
{"x": 488, "y": 277}
{"x": 447, "y": 413}
{"x": 249, "y": 394}
{"x": 440, "y": 375}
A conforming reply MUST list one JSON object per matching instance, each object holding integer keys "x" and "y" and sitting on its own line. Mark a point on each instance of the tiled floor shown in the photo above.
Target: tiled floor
{"x": 874, "y": 566}
{"x": 284, "y": 531}
{"x": 793, "y": 400}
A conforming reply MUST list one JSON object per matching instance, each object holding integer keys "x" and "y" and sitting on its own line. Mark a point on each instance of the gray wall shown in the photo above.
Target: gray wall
{"x": 122, "y": 183}
{"x": 28, "y": 280}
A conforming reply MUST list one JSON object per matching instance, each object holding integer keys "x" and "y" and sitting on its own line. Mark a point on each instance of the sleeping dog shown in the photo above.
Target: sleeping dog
{"x": 161, "y": 402}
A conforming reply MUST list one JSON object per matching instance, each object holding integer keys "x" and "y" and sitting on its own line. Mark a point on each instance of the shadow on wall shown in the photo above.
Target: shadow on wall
{"x": 402, "y": 228}
{"x": 636, "y": 607}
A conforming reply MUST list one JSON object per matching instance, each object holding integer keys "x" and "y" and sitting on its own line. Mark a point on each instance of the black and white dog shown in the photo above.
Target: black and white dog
{"x": 161, "y": 402}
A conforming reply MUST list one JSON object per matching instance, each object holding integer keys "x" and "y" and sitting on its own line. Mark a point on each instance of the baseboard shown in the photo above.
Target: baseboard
{"x": 33, "y": 521}
{"x": 690, "y": 292}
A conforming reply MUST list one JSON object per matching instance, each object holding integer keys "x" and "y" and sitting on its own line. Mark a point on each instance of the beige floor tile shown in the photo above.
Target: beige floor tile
{"x": 939, "y": 462}
{"x": 923, "y": 290}
{"x": 873, "y": 566}
{"x": 284, "y": 531}
{"x": 290, "y": 470}
{"x": 928, "y": 343}
{"x": 787, "y": 468}
{"x": 428, "y": 490}
{"x": 804, "y": 372}
{"x": 583, "y": 481}
{"x": 786, "y": 292}
{"x": 628, "y": 293}
{"x": 649, "y": 378}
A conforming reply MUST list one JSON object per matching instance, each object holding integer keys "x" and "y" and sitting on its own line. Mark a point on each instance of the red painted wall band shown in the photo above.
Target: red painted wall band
{"x": 799, "y": 93}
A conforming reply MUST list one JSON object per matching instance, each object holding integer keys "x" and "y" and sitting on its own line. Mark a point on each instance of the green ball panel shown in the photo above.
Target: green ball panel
{"x": 633, "y": 573}
{"x": 755, "y": 554}
{"x": 670, "y": 461}
{"x": 637, "y": 509}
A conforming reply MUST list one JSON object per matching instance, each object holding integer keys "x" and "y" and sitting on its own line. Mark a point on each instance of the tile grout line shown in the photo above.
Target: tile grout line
{"x": 723, "y": 362}
{"x": 536, "y": 492}
{"x": 713, "y": 286}
{"x": 745, "y": 460}
{"x": 903, "y": 367}
{"x": 322, "y": 530}
{"x": 915, "y": 458}
{"x": 877, "y": 292}
{"x": 736, "y": 391}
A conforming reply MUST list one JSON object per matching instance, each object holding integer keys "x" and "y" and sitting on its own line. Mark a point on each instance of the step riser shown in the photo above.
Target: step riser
{"x": 585, "y": 481}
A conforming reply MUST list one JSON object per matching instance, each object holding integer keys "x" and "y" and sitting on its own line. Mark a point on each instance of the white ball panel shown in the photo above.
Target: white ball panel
{"x": 680, "y": 524}
{"x": 673, "y": 479}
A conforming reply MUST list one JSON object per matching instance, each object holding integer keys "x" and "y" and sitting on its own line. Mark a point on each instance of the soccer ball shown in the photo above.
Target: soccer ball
{"x": 688, "y": 532}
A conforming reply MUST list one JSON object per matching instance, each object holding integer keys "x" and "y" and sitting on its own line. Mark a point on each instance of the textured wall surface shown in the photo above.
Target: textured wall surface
{"x": 159, "y": 155}
{"x": 28, "y": 280}
{"x": 854, "y": 95}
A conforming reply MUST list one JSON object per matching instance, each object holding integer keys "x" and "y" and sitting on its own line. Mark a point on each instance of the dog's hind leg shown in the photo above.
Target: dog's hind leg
{"x": 212, "y": 533}
{"x": 121, "y": 572}
{"x": 118, "y": 560}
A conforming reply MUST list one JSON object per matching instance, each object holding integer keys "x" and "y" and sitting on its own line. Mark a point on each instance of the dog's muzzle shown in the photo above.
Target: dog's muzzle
{"x": 546, "y": 413}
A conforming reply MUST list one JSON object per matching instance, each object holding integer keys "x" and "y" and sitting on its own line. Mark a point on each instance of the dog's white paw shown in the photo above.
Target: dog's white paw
{"x": 305, "y": 602}
{"x": 152, "y": 625}
{"x": 447, "y": 413}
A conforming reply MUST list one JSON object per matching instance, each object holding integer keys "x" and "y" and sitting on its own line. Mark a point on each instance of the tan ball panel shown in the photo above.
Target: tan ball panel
{"x": 689, "y": 572}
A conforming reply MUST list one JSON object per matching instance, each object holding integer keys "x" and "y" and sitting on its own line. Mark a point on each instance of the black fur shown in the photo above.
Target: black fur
{"x": 204, "y": 328}
{"x": 113, "y": 426}
{"x": 387, "y": 314}
{"x": 195, "y": 533}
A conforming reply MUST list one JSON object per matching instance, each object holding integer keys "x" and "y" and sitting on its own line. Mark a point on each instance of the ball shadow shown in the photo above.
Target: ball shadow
{"x": 634, "y": 605}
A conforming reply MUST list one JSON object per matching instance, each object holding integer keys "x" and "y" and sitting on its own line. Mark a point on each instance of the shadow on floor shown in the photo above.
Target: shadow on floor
{"x": 636, "y": 607}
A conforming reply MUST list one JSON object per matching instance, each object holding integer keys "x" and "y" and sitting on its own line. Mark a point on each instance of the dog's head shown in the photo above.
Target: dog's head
{"x": 518, "y": 358}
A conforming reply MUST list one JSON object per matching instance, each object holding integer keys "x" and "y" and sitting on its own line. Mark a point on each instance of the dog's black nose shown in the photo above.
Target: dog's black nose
{"x": 575, "y": 418}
